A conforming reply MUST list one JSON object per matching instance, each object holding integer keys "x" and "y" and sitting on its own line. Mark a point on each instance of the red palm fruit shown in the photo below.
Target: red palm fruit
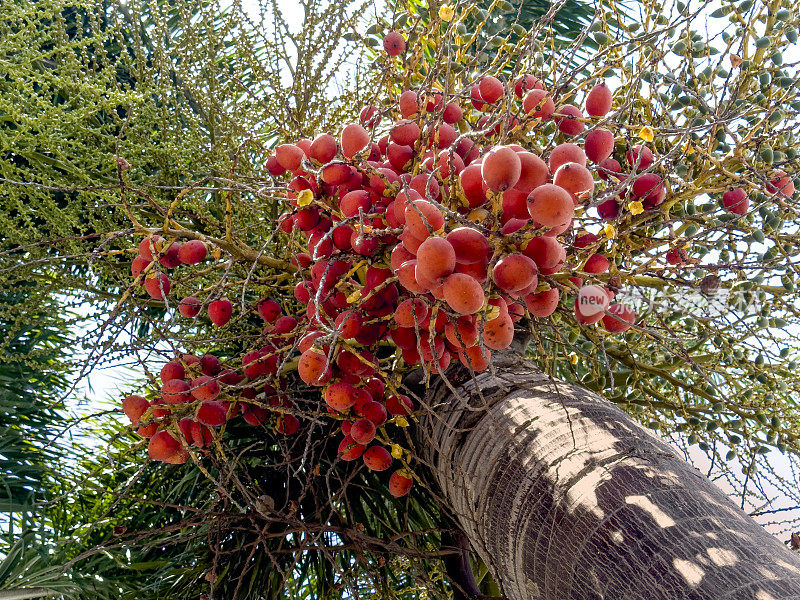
{"x": 476, "y": 270}
{"x": 377, "y": 458}
{"x": 410, "y": 311}
{"x": 408, "y": 104}
{"x": 568, "y": 122}
{"x": 172, "y": 370}
{"x": 157, "y": 286}
{"x": 550, "y": 205}
{"x": 341, "y": 237}
{"x": 475, "y": 98}
{"x": 273, "y": 166}
{"x": 285, "y": 324}
{"x": 405, "y": 133}
{"x": 566, "y": 153}
{"x": 399, "y": 405}
{"x": 254, "y": 415}
{"x": 313, "y": 367}
{"x": 491, "y": 89}
{"x": 340, "y": 396}
{"x": 363, "y": 244}
{"x": 646, "y": 186}
{"x": 253, "y": 365}
{"x": 137, "y": 266}
{"x": 598, "y": 145}
{"x": 406, "y": 275}
{"x": 369, "y": 116}
{"x": 547, "y": 252}
{"x": 423, "y": 218}
{"x": 533, "y": 172}
{"x": 449, "y": 163}
{"x": 402, "y": 201}
{"x": 399, "y": 156}
{"x": 445, "y": 136}
{"x": 514, "y": 272}
{"x": 192, "y": 252}
{"x": 149, "y": 245}
{"x": 170, "y": 259}
{"x": 363, "y": 431}
{"x": 201, "y": 435}
{"x": 323, "y": 148}
{"x": 609, "y": 209}
{"x": 473, "y": 185}
{"x": 501, "y": 168}
{"x": 676, "y": 256}
{"x": 147, "y": 431}
{"x": 269, "y": 310}
{"x": 394, "y": 44}
{"x": 204, "y": 388}
{"x": 301, "y": 293}
{"x": 210, "y": 365}
{"x": 469, "y": 245}
{"x": 591, "y": 300}
{"x": 404, "y": 337}
{"x": 349, "y": 449}
{"x": 436, "y": 259}
{"x": 781, "y": 184}
{"x": 134, "y": 407}
{"x": 362, "y": 398}
{"x": 185, "y": 426}
{"x": 499, "y": 333}
{"x": 355, "y": 201}
{"x": 452, "y": 113}
{"x": 165, "y": 448}
{"x": 539, "y": 105}
{"x": 608, "y": 168}
{"x": 425, "y": 185}
{"x": 305, "y": 145}
{"x": 398, "y": 256}
{"x": 354, "y": 139}
{"x": 542, "y": 304}
{"x": 463, "y": 293}
{"x": 212, "y": 413}
{"x": 598, "y": 100}
{"x": 620, "y": 319}
{"x": 307, "y": 219}
{"x": 176, "y": 391}
{"x": 289, "y": 156}
{"x": 585, "y": 240}
{"x": 640, "y": 156}
{"x": 462, "y": 333}
{"x": 735, "y": 200}
{"x": 287, "y": 424}
{"x": 515, "y": 207}
{"x": 163, "y": 411}
{"x": 399, "y": 484}
{"x": 476, "y": 358}
{"x": 576, "y": 179}
{"x": 525, "y": 84}
{"x": 349, "y": 324}
{"x": 596, "y": 263}
{"x": 220, "y": 312}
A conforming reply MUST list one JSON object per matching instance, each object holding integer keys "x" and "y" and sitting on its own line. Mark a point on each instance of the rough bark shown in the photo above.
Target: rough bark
{"x": 565, "y": 497}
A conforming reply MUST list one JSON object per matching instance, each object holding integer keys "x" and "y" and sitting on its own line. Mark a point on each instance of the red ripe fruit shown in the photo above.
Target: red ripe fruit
{"x": 598, "y": 100}
{"x": 369, "y": 116}
{"x": 171, "y": 257}
{"x": 476, "y": 358}
{"x": 591, "y": 300}
{"x": 781, "y": 184}
{"x": 349, "y": 449}
{"x": 463, "y": 293}
{"x": 676, "y": 256}
{"x": 566, "y": 153}
{"x": 313, "y": 367}
{"x": 273, "y": 166}
{"x": 639, "y": 156}
{"x": 576, "y": 179}
{"x": 205, "y": 388}
{"x": 399, "y": 484}
{"x": 399, "y": 405}
{"x": 469, "y": 245}
{"x": 527, "y": 83}
{"x": 539, "y": 105}
{"x": 137, "y": 266}
{"x": 165, "y": 448}
{"x": 422, "y": 218}
{"x": 176, "y": 391}
{"x": 405, "y": 133}
{"x": 288, "y": 424}
{"x": 585, "y": 240}
{"x": 323, "y": 148}
{"x": 646, "y": 187}
{"x": 599, "y": 145}
{"x": 408, "y": 104}
{"x": 210, "y": 365}
{"x": 334, "y": 174}
{"x": 568, "y": 122}
{"x": 377, "y": 458}
{"x": 542, "y": 304}
{"x": 473, "y": 185}
{"x": 192, "y": 252}
{"x": 289, "y": 156}
{"x": 399, "y": 156}
{"x": 514, "y": 272}
{"x": 551, "y": 205}
{"x": 501, "y": 168}
{"x": 620, "y": 319}
{"x": 475, "y": 97}
{"x": 436, "y": 258}
{"x": 735, "y": 201}
{"x": 499, "y": 333}
{"x": 134, "y": 407}
{"x": 354, "y": 139}
{"x": 449, "y": 163}
{"x": 596, "y": 263}
{"x": 355, "y": 201}
{"x": 363, "y": 431}
{"x": 410, "y": 311}
{"x": 533, "y": 172}
{"x": 394, "y": 44}
{"x": 172, "y": 370}
{"x": 491, "y": 89}
{"x": 547, "y": 252}
{"x": 220, "y": 312}
{"x": 452, "y": 113}
{"x": 269, "y": 310}
{"x": 150, "y": 243}
{"x": 608, "y": 168}
{"x": 157, "y": 286}
{"x": 340, "y": 396}
{"x": 212, "y": 413}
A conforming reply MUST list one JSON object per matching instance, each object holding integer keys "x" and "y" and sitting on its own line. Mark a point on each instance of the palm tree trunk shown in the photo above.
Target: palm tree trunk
{"x": 566, "y": 498}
